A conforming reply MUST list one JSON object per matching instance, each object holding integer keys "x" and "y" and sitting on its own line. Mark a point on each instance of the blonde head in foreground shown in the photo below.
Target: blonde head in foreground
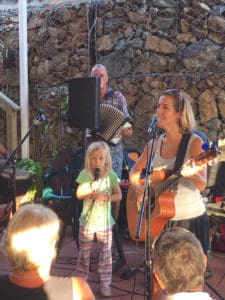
{"x": 30, "y": 239}
{"x": 178, "y": 261}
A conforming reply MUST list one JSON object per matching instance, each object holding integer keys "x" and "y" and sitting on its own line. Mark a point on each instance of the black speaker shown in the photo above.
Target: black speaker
{"x": 84, "y": 102}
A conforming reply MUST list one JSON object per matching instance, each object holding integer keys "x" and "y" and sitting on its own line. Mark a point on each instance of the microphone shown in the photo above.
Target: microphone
{"x": 42, "y": 116}
{"x": 152, "y": 124}
{"x": 96, "y": 177}
{"x": 96, "y": 174}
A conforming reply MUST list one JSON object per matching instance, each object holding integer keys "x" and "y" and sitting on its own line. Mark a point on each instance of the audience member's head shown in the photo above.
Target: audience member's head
{"x": 178, "y": 261}
{"x": 30, "y": 239}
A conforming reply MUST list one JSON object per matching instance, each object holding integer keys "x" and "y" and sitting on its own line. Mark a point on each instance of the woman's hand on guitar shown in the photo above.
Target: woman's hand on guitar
{"x": 196, "y": 173}
{"x": 127, "y": 131}
{"x": 190, "y": 169}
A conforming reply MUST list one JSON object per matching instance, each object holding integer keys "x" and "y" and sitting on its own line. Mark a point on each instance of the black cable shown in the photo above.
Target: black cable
{"x": 134, "y": 285}
{"x": 127, "y": 291}
{"x": 214, "y": 291}
{"x": 94, "y": 259}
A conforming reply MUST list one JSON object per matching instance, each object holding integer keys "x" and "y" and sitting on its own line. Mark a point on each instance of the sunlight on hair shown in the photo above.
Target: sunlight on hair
{"x": 37, "y": 242}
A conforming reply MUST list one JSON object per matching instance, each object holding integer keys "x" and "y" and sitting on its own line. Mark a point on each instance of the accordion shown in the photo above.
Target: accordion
{"x": 112, "y": 120}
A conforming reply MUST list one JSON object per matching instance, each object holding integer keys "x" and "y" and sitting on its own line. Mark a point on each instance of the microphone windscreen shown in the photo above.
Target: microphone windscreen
{"x": 96, "y": 173}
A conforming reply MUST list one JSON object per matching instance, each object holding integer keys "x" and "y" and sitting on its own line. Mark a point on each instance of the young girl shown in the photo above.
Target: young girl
{"x": 98, "y": 186}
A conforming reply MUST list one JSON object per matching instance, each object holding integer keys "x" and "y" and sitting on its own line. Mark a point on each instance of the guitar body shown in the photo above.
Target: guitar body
{"x": 164, "y": 209}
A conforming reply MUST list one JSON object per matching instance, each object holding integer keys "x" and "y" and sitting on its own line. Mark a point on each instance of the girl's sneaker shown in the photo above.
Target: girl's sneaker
{"x": 105, "y": 290}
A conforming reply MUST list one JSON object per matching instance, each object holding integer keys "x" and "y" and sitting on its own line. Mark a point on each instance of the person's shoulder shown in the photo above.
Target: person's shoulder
{"x": 159, "y": 138}
{"x": 201, "y": 134}
{"x": 4, "y": 278}
{"x": 58, "y": 287}
{"x": 119, "y": 94}
{"x": 81, "y": 288}
{"x": 195, "y": 139}
{"x": 109, "y": 92}
{"x": 78, "y": 286}
{"x": 114, "y": 93}
{"x": 7, "y": 288}
{"x": 83, "y": 175}
{"x": 79, "y": 282}
{"x": 58, "y": 280}
{"x": 113, "y": 175}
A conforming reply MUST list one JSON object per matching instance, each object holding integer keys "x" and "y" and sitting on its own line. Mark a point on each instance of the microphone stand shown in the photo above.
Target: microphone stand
{"x": 11, "y": 160}
{"x": 148, "y": 260}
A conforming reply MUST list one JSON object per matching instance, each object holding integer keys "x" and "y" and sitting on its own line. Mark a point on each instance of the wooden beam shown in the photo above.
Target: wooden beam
{"x": 11, "y": 110}
{"x": 7, "y": 104}
{"x": 11, "y": 125}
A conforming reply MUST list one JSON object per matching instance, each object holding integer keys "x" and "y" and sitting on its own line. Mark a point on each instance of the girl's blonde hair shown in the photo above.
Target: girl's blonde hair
{"x": 182, "y": 105}
{"x": 30, "y": 238}
{"x": 95, "y": 146}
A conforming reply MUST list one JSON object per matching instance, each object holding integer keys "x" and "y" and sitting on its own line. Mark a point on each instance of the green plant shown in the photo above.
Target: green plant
{"x": 64, "y": 105}
{"x": 35, "y": 168}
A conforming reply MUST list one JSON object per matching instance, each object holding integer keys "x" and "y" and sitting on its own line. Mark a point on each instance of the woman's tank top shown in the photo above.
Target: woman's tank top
{"x": 188, "y": 200}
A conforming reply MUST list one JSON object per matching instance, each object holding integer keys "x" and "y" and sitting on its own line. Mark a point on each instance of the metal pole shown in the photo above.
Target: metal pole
{"x": 23, "y": 66}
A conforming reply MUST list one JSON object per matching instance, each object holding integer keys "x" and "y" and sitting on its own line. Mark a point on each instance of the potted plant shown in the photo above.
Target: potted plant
{"x": 35, "y": 168}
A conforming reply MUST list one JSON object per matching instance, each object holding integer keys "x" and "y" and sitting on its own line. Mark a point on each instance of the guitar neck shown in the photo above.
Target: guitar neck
{"x": 199, "y": 160}
{"x": 166, "y": 184}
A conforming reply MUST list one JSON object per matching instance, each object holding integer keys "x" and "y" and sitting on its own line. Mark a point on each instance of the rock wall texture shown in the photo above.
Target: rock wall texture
{"x": 146, "y": 45}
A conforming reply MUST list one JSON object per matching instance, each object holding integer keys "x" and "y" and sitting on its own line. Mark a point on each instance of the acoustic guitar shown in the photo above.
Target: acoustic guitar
{"x": 162, "y": 199}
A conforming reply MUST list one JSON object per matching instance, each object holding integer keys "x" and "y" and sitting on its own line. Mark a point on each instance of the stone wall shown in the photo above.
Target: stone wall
{"x": 147, "y": 46}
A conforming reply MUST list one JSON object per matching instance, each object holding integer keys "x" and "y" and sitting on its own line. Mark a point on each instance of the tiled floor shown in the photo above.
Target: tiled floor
{"x": 134, "y": 287}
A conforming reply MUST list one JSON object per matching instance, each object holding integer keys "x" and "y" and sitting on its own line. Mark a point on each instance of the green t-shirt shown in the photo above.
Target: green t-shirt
{"x": 97, "y": 215}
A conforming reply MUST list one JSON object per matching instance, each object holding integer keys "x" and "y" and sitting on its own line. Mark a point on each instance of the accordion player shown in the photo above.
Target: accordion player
{"x": 112, "y": 120}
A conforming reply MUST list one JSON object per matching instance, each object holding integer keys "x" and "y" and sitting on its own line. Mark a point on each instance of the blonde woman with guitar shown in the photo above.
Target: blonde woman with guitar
{"x": 178, "y": 203}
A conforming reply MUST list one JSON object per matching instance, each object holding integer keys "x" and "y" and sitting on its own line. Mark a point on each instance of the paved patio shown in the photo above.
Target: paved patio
{"x": 134, "y": 286}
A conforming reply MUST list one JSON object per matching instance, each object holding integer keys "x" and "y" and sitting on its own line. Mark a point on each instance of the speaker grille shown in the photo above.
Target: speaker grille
{"x": 84, "y": 102}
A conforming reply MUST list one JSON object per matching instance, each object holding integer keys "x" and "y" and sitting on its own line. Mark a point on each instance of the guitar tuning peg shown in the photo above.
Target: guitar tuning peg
{"x": 205, "y": 146}
{"x": 215, "y": 144}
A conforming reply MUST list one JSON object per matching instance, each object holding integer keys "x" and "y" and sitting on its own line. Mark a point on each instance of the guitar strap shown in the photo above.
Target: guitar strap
{"x": 181, "y": 151}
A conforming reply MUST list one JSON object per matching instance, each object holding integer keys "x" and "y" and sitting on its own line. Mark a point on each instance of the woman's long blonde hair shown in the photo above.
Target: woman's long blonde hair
{"x": 183, "y": 106}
